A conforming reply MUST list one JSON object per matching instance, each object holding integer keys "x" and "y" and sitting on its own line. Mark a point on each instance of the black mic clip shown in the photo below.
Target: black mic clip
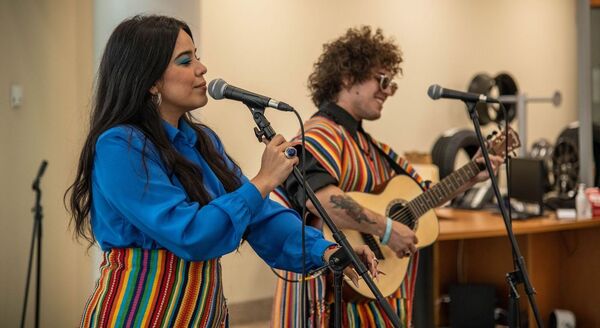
{"x": 259, "y": 134}
{"x": 256, "y": 115}
{"x": 263, "y": 130}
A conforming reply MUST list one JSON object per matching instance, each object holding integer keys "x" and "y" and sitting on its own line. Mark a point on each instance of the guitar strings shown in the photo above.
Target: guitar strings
{"x": 405, "y": 215}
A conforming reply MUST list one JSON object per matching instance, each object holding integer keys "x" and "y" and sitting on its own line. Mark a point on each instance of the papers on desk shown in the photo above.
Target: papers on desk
{"x": 566, "y": 214}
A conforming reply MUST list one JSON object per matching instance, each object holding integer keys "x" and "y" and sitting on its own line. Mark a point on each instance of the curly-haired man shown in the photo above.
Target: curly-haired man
{"x": 351, "y": 81}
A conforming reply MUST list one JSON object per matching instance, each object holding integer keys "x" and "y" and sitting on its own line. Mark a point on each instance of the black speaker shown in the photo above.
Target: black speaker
{"x": 472, "y": 305}
{"x": 527, "y": 182}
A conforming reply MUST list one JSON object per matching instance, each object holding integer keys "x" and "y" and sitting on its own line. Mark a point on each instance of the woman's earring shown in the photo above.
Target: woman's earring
{"x": 157, "y": 99}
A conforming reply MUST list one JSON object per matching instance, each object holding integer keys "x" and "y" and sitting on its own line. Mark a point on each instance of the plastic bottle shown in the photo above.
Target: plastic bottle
{"x": 582, "y": 204}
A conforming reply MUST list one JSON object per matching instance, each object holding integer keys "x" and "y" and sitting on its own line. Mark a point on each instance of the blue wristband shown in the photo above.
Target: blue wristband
{"x": 388, "y": 232}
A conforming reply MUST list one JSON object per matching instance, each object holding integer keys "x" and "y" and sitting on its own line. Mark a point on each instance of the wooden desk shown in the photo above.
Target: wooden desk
{"x": 562, "y": 259}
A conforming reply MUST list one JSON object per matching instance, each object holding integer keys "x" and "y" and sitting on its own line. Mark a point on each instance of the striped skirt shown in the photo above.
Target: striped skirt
{"x": 155, "y": 288}
{"x": 287, "y": 308}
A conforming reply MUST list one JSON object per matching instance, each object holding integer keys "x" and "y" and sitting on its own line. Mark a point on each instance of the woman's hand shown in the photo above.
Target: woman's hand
{"x": 366, "y": 256}
{"x": 275, "y": 166}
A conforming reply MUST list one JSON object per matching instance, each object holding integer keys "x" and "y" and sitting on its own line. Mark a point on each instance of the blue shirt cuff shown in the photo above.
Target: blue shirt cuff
{"x": 252, "y": 197}
{"x": 318, "y": 249}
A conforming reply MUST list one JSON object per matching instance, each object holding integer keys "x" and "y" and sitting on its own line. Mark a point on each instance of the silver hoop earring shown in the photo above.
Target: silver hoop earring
{"x": 157, "y": 99}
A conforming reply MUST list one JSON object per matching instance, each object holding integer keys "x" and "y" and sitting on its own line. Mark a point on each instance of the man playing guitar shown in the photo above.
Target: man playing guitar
{"x": 351, "y": 81}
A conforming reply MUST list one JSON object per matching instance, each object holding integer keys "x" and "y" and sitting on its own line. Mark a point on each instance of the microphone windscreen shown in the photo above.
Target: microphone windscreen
{"x": 434, "y": 91}
{"x": 216, "y": 88}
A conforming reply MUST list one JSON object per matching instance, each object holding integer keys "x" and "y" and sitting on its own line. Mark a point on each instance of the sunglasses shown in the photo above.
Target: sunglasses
{"x": 386, "y": 82}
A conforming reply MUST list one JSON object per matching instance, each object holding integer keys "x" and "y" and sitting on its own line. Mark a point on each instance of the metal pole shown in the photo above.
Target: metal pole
{"x": 522, "y": 118}
{"x": 584, "y": 91}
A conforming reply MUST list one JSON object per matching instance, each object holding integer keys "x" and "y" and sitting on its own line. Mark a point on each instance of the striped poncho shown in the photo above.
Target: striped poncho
{"x": 348, "y": 154}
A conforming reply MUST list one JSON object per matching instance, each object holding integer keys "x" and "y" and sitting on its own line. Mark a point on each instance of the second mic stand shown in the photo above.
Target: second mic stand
{"x": 35, "y": 237}
{"x": 342, "y": 257}
{"x": 520, "y": 274}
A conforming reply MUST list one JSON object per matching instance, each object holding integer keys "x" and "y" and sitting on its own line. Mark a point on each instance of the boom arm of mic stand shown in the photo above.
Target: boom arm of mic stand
{"x": 520, "y": 272}
{"x": 265, "y": 130}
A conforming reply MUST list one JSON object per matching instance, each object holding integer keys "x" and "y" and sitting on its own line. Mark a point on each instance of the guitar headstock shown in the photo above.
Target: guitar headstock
{"x": 496, "y": 145}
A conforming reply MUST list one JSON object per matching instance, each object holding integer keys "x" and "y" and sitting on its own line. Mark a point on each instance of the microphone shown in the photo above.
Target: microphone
{"x": 219, "y": 89}
{"x": 436, "y": 92}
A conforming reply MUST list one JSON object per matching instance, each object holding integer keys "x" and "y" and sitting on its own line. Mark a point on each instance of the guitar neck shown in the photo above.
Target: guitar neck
{"x": 440, "y": 192}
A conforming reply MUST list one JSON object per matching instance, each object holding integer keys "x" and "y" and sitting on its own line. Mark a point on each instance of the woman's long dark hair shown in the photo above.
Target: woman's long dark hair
{"x": 136, "y": 56}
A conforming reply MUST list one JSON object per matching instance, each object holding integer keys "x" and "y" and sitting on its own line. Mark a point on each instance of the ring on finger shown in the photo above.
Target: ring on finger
{"x": 290, "y": 152}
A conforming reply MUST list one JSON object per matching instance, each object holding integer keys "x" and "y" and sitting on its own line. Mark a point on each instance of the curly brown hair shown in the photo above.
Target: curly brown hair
{"x": 352, "y": 56}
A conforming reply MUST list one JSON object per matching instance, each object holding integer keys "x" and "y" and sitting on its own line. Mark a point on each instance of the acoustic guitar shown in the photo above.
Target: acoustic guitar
{"x": 403, "y": 200}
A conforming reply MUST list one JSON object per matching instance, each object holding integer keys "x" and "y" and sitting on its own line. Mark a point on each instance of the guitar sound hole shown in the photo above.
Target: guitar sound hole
{"x": 399, "y": 212}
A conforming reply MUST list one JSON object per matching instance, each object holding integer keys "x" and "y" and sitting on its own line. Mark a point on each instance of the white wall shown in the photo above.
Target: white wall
{"x": 267, "y": 46}
{"x": 47, "y": 49}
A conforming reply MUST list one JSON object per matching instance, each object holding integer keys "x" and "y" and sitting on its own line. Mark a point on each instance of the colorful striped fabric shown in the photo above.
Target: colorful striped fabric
{"x": 286, "y": 311}
{"x": 155, "y": 288}
{"x": 286, "y": 308}
{"x": 358, "y": 166}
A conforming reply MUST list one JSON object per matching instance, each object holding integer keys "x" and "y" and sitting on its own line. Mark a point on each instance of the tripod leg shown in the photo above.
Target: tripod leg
{"x": 338, "y": 280}
{"x": 33, "y": 238}
{"x": 513, "y": 301}
{"x": 38, "y": 273}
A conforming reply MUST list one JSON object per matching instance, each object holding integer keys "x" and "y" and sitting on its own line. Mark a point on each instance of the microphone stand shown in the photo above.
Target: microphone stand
{"x": 340, "y": 258}
{"x": 519, "y": 275}
{"x": 37, "y": 235}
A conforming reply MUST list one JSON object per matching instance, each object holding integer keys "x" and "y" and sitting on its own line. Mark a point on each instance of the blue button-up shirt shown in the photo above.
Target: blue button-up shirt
{"x": 136, "y": 203}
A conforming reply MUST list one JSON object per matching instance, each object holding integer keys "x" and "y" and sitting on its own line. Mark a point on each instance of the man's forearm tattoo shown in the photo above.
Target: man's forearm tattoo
{"x": 352, "y": 208}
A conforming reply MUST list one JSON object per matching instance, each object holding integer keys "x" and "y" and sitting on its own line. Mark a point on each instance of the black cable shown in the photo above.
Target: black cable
{"x": 303, "y": 292}
{"x": 312, "y": 274}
